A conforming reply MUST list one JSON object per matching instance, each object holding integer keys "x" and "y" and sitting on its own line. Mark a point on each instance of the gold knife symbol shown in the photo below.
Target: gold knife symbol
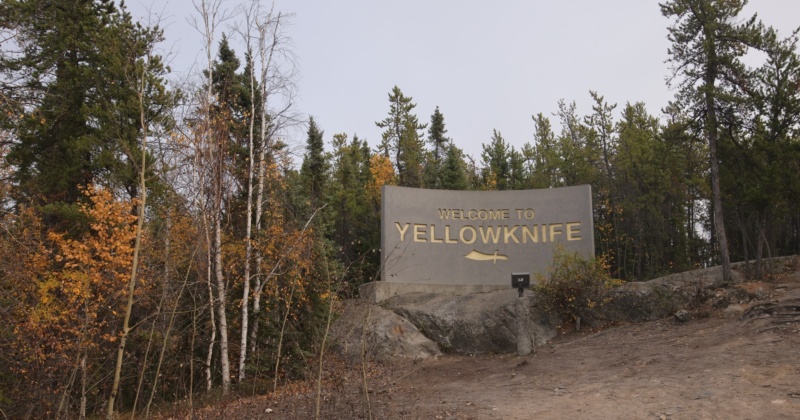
{"x": 480, "y": 256}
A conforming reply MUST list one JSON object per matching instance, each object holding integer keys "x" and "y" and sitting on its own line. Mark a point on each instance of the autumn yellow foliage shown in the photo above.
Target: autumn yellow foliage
{"x": 70, "y": 292}
{"x": 382, "y": 172}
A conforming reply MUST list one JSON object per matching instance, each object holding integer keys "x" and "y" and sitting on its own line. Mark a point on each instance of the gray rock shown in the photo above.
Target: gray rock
{"x": 474, "y": 324}
{"x": 683, "y": 316}
{"x": 419, "y": 325}
{"x": 661, "y": 297}
{"x": 735, "y": 310}
{"x": 381, "y": 333}
{"x": 737, "y": 295}
{"x": 719, "y": 302}
{"x": 522, "y": 317}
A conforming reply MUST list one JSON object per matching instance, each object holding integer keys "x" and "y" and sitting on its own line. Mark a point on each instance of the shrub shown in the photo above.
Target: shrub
{"x": 575, "y": 288}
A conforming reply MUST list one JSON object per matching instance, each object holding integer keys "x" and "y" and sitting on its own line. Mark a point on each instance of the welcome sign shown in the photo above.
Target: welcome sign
{"x": 480, "y": 237}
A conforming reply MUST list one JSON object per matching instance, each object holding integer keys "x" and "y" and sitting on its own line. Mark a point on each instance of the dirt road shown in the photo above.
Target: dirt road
{"x": 713, "y": 367}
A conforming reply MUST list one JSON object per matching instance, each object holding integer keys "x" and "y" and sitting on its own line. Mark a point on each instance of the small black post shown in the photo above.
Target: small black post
{"x": 520, "y": 281}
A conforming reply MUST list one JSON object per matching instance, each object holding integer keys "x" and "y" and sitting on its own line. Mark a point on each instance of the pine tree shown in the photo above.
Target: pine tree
{"x": 601, "y": 126}
{"x": 454, "y": 169}
{"x": 438, "y": 142}
{"x": 436, "y": 135}
{"x": 649, "y": 203}
{"x": 545, "y": 155}
{"x": 79, "y": 75}
{"x": 707, "y": 44}
{"x": 517, "y": 177}
{"x": 232, "y": 108}
{"x": 495, "y": 157}
{"x": 761, "y": 177}
{"x": 577, "y": 147}
{"x": 313, "y": 171}
{"x": 355, "y": 224}
{"x": 690, "y": 167}
{"x": 402, "y": 137}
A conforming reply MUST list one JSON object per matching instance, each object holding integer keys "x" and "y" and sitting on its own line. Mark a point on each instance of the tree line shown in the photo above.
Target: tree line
{"x": 159, "y": 242}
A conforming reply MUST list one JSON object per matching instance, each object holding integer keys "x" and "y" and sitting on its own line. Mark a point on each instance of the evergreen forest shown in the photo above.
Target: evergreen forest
{"x": 160, "y": 242}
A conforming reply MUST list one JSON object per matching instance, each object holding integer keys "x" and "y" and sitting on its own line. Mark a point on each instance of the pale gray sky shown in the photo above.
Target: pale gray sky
{"x": 486, "y": 64}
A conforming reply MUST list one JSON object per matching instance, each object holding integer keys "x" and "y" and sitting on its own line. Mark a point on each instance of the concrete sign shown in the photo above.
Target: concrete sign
{"x": 480, "y": 237}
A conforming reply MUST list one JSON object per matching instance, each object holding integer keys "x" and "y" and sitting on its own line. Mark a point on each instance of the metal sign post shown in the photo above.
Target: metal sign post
{"x": 521, "y": 281}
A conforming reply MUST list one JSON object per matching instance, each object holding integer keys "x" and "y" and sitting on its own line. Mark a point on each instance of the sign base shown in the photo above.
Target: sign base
{"x": 378, "y": 291}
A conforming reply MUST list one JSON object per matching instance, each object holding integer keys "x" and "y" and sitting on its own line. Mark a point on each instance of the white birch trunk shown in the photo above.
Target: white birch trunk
{"x": 265, "y": 53}
{"x": 222, "y": 293}
{"x": 211, "y": 16}
{"x": 213, "y": 337}
{"x": 250, "y": 172}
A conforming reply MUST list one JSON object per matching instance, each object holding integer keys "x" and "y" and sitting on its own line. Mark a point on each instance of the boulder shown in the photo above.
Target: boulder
{"x": 476, "y": 323}
{"x": 381, "y": 333}
{"x": 661, "y": 297}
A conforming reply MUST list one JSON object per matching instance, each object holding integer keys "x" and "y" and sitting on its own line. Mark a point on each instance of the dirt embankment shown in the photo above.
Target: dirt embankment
{"x": 718, "y": 365}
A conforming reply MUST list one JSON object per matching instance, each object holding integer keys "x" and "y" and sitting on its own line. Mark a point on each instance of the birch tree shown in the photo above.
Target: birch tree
{"x": 211, "y": 15}
{"x": 276, "y": 85}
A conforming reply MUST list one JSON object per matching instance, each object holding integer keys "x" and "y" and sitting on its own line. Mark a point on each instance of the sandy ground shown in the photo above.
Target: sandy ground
{"x": 712, "y": 367}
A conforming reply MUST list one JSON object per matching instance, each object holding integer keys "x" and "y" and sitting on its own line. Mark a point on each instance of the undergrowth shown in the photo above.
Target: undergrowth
{"x": 575, "y": 289}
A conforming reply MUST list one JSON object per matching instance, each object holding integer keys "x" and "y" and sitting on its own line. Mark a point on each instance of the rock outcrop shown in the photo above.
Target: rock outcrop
{"x": 380, "y": 333}
{"x": 421, "y": 325}
{"x": 473, "y": 324}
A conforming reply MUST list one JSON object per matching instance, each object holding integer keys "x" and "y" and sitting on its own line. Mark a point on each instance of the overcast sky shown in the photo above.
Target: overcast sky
{"x": 486, "y": 64}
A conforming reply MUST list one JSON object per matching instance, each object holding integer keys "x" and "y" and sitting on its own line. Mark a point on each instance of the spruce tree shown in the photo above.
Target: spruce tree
{"x": 763, "y": 180}
{"x": 454, "y": 169}
{"x": 313, "y": 171}
{"x": 438, "y": 142}
{"x": 517, "y": 178}
{"x": 79, "y": 73}
{"x": 401, "y": 137}
{"x": 496, "y": 160}
{"x": 436, "y": 135}
{"x": 545, "y": 155}
{"x": 231, "y": 109}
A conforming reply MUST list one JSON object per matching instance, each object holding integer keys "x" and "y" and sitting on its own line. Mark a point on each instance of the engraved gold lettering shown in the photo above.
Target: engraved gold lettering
{"x": 419, "y": 233}
{"x": 530, "y": 233}
{"x": 554, "y": 232}
{"x": 433, "y": 236}
{"x": 573, "y": 231}
{"x": 529, "y": 213}
{"x": 465, "y": 229}
{"x": 447, "y": 239}
{"x": 509, "y": 233}
{"x": 490, "y": 233}
{"x": 497, "y": 214}
{"x": 402, "y": 230}
{"x": 473, "y": 214}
